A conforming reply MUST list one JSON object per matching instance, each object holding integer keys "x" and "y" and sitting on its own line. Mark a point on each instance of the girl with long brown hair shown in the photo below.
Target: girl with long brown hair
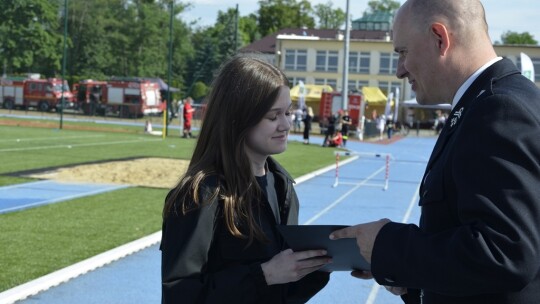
{"x": 220, "y": 243}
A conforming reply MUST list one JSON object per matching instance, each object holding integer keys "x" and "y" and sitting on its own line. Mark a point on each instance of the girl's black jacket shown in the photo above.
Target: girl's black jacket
{"x": 203, "y": 263}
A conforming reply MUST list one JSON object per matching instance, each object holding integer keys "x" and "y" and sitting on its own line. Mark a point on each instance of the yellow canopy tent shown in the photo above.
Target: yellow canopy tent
{"x": 312, "y": 96}
{"x": 375, "y": 101}
{"x": 374, "y": 96}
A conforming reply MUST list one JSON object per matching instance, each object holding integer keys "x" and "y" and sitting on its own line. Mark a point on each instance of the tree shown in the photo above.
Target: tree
{"x": 148, "y": 45}
{"x": 278, "y": 14}
{"x": 383, "y": 5}
{"x": 249, "y": 29}
{"x": 510, "y": 37}
{"x": 30, "y": 39}
{"x": 227, "y": 39}
{"x": 92, "y": 25}
{"x": 200, "y": 89}
{"x": 328, "y": 17}
{"x": 204, "y": 60}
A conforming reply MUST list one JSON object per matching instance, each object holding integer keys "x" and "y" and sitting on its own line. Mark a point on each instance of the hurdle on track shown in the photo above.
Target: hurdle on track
{"x": 387, "y": 157}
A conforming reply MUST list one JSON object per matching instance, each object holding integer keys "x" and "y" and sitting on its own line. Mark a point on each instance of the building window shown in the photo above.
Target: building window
{"x": 359, "y": 62}
{"x": 332, "y": 83}
{"x": 388, "y": 63}
{"x": 388, "y": 87}
{"x": 351, "y": 87}
{"x": 295, "y": 80}
{"x": 327, "y": 61}
{"x": 323, "y": 81}
{"x": 356, "y": 85}
{"x": 296, "y": 60}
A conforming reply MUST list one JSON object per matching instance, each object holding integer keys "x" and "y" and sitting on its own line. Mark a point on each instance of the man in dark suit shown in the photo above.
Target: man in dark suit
{"x": 478, "y": 240}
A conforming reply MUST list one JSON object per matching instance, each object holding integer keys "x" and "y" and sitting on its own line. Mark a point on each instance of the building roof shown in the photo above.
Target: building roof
{"x": 267, "y": 44}
{"x": 376, "y": 17}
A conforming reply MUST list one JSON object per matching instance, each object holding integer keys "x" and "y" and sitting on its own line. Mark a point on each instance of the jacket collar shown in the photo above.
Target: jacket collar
{"x": 274, "y": 166}
{"x": 479, "y": 89}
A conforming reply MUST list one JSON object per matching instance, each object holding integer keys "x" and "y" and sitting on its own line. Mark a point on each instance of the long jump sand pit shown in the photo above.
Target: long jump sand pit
{"x": 145, "y": 172}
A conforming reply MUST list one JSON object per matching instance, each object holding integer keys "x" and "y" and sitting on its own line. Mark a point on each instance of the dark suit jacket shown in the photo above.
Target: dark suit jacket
{"x": 479, "y": 235}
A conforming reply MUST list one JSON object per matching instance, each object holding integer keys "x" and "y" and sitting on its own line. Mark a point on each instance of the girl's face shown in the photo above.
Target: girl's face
{"x": 269, "y": 136}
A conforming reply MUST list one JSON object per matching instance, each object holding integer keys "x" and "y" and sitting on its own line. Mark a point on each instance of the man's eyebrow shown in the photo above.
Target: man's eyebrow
{"x": 399, "y": 49}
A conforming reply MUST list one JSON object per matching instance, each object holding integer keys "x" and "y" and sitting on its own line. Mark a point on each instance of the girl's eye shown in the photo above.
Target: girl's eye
{"x": 272, "y": 118}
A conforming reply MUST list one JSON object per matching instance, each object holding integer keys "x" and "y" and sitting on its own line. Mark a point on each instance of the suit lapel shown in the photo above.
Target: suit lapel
{"x": 458, "y": 113}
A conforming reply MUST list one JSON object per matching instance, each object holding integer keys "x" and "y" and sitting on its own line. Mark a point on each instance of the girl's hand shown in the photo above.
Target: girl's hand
{"x": 288, "y": 266}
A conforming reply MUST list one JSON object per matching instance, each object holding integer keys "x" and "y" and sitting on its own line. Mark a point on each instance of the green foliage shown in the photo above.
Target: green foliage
{"x": 279, "y": 14}
{"x": 199, "y": 90}
{"x": 105, "y": 38}
{"x": 205, "y": 59}
{"x": 329, "y": 18}
{"x": 30, "y": 36}
{"x": 249, "y": 30}
{"x": 510, "y": 37}
{"x": 383, "y": 5}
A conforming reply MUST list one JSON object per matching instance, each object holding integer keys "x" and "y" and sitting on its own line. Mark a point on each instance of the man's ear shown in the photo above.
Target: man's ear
{"x": 440, "y": 33}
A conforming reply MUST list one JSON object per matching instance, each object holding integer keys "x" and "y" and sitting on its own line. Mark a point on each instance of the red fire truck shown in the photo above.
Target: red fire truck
{"x": 89, "y": 96}
{"x": 331, "y": 104}
{"x": 125, "y": 97}
{"x": 42, "y": 94}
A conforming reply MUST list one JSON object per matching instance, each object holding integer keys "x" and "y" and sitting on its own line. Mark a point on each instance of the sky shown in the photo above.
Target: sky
{"x": 502, "y": 15}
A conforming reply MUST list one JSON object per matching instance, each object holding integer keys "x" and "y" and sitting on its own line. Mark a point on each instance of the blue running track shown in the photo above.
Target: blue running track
{"x": 34, "y": 194}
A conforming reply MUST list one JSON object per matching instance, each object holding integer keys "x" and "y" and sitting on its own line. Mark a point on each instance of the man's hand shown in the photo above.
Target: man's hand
{"x": 398, "y": 291}
{"x": 365, "y": 235}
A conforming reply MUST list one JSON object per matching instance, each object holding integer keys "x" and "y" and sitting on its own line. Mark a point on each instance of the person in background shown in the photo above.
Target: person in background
{"x": 345, "y": 125}
{"x": 336, "y": 141}
{"x": 219, "y": 241}
{"x": 188, "y": 116}
{"x": 298, "y": 117}
{"x": 381, "y": 124}
{"x": 330, "y": 129}
{"x": 308, "y": 117}
{"x": 478, "y": 240}
{"x": 390, "y": 126}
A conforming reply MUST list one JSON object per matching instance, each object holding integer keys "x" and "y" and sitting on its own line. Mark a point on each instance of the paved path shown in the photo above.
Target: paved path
{"x": 359, "y": 197}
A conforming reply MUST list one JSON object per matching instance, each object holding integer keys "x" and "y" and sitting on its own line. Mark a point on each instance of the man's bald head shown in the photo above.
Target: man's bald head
{"x": 465, "y": 18}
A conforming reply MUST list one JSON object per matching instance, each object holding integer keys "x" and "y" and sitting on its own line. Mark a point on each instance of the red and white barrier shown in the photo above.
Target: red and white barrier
{"x": 388, "y": 157}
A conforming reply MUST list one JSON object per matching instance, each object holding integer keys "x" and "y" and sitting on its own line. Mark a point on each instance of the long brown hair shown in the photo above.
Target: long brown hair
{"x": 243, "y": 92}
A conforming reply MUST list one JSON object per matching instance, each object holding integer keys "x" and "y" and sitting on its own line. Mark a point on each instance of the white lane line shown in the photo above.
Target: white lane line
{"x": 63, "y": 198}
{"x": 375, "y": 289}
{"x": 311, "y": 175}
{"x": 49, "y": 138}
{"x": 43, "y": 283}
{"x": 79, "y": 145}
{"x": 344, "y": 196}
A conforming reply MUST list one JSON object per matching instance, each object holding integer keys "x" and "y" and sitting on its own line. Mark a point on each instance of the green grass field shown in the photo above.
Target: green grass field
{"x": 37, "y": 241}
